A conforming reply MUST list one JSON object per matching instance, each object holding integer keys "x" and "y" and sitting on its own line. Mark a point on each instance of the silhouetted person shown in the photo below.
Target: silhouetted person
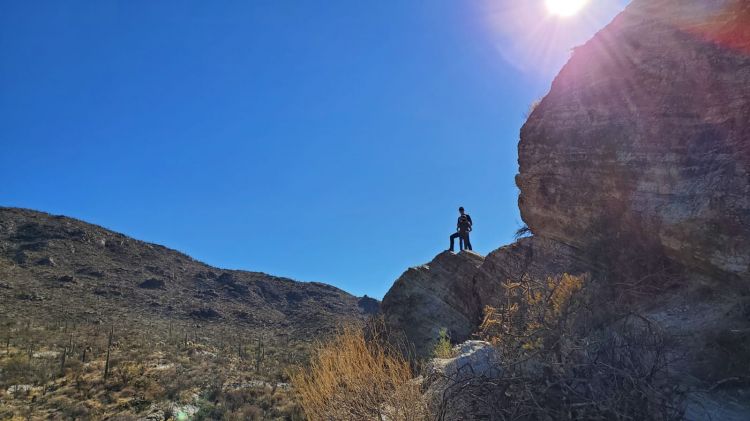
{"x": 463, "y": 227}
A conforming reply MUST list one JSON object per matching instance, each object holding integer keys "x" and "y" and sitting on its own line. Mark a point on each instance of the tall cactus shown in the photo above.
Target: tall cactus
{"x": 109, "y": 347}
{"x": 62, "y": 361}
{"x": 260, "y": 352}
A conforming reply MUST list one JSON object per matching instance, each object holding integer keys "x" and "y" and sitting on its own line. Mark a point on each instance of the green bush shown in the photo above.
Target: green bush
{"x": 443, "y": 347}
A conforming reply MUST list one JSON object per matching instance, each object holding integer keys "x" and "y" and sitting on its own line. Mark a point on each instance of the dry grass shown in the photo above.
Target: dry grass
{"x": 358, "y": 377}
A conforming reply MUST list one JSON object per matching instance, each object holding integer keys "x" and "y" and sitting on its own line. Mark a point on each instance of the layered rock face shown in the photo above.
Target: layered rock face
{"x": 435, "y": 296}
{"x": 644, "y": 138}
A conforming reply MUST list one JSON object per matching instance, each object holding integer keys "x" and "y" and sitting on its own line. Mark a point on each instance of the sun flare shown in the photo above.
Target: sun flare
{"x": 565, "y": 7}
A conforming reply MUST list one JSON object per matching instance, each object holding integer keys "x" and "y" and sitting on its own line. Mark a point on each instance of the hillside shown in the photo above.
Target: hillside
{"x": 64, "y": 284}
{"x": 66, "y": 268}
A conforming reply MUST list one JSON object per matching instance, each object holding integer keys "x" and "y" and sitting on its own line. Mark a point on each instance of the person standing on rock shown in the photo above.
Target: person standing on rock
{"x": 463, "y": 227}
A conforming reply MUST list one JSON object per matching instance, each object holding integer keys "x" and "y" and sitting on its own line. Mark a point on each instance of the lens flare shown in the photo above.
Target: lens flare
{"x": 565, "y": 7}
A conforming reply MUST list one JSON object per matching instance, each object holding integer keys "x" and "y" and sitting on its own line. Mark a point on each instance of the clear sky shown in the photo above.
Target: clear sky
{"x": 325, "y": 141}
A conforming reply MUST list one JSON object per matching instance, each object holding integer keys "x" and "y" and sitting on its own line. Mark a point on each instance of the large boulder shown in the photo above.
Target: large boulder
{"x": 429, "y": 298}
{"x": 464, "y": 387}
{"x": 644, "y": 139}
{"x": 452, "y": 291}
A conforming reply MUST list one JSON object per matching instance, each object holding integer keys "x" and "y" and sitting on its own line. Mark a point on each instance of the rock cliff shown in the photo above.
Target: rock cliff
{"x": 636, "y": 164}
{"x": 644, "y": 137}
{"x": 642, "y": 148}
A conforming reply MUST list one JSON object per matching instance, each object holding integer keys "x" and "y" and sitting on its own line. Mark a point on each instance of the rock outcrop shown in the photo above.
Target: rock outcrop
{"x": 644, "y": 138}
{"x": 452, "y": 290}
{"x": 435, "y": 296}
{"x": 640, "y": 149}
{"x": 642, "y": 146}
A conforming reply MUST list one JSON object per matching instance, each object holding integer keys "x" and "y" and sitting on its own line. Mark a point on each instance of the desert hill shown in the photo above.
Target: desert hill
{"x": 186, "y": 337}
{"x": 67, "y": 268}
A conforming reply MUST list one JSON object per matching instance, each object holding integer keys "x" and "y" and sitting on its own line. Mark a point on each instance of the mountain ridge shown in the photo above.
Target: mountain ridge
{"x": 42, "y": 254}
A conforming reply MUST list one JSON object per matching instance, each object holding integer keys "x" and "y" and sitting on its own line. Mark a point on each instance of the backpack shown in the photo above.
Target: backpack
{"x": 463, "y": 222}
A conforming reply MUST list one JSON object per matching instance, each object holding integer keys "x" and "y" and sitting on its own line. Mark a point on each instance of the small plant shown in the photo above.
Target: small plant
{"x": 443, "y": 347}
{"x": 524, "y": 231}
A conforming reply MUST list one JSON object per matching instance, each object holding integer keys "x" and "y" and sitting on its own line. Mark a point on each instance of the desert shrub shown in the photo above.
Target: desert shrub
{"x": 73, "y": 366}
{"x": 292, "y": 411}
{"x": 213, "y": 388}
{"x": 70, "y": 408}
{"x": 6, "y": 413}
{"x": 246, "y": 412}
{"x": 235, "y": 399}
{"x": 558, "y": 364}
{"x": 443, "y": 347}
{"x": 532, "y": 312}
{"x": 152, "y": 390}
{"x": 124, "y": 373}
{"x": 15, "y": 370}
{"x": 209, "y": 412}
{"x": 358, "y": 376}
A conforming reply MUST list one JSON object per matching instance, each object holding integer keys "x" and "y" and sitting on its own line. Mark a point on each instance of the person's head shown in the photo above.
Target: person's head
{"x": 461, "y": 210}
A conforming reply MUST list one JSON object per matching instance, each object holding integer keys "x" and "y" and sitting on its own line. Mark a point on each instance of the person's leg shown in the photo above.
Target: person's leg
{"x": 453, "y": 238}
{"x": 467, "y": 243}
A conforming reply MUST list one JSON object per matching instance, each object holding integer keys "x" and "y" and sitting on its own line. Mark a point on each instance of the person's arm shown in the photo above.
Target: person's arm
{"x": 471, "y": 224}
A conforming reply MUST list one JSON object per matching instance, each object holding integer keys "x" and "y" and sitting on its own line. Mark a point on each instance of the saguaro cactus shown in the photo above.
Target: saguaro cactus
{"x": 109, "y": 347}
{"x": 260, "y": 353}
{"x": 62, "y": 361}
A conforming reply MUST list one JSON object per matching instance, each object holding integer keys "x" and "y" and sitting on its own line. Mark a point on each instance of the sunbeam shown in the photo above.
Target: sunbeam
{"x": 565, "y": 7}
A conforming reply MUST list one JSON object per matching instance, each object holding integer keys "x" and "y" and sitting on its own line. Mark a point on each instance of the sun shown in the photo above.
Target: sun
{"x": 565, "y": 7}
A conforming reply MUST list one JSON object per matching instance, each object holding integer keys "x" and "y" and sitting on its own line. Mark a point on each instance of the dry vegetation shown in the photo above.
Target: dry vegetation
{"x": 70, "y": 371}
{"x": 566, "y": 357}
{"x": 563, "y": 356}
{"x": 359, "y": 376}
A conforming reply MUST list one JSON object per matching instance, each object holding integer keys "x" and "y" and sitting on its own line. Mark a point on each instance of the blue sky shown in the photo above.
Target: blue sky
{"x": 325, "y": 141}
